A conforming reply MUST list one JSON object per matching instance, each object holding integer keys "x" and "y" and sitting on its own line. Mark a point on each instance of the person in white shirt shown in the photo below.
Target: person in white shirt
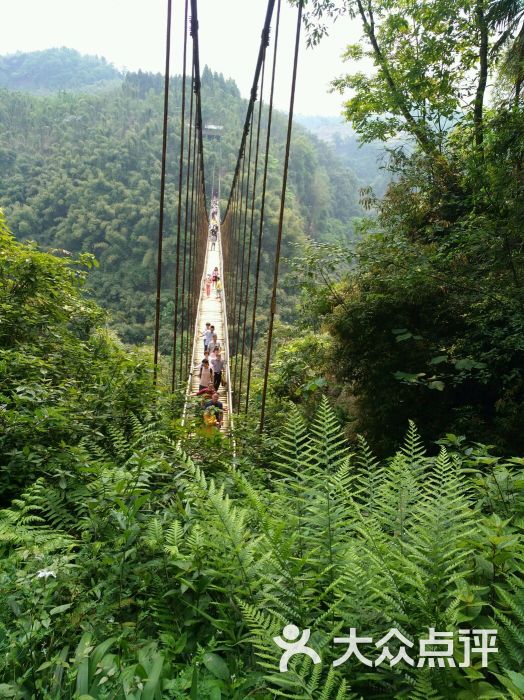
{"x": 206, "y": 375}
{"x": 207, "y": 335}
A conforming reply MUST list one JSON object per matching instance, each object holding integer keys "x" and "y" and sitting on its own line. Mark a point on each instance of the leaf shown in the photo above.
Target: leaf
{"x": 517, "y": 679}
{"x": 215, "y": 694}
{"x": 216, "y": 665}
{"x": 153, "y": 681}
{"x": 194, "y": 684}
{"x": 468, "y": 363}
{"x": 438, "y": 385}
{"x": 82, "y": 678}
{"x": 60, "y": 609}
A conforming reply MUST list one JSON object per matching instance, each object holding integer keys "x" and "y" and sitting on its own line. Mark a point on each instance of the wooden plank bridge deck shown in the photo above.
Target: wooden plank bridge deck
{"x": 212, "y": 309}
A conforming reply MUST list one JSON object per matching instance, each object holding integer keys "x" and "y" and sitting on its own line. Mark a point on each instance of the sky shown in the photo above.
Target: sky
{"x": 131, "y": 34}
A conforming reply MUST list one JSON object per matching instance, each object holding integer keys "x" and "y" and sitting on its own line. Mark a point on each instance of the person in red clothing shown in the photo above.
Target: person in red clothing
{"x": 206, "y": 391}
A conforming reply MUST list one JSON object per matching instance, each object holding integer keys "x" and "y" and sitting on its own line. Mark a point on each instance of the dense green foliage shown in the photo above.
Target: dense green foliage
{"x": 426, "y": 312}
{"x": 131, "y": 570}
{"x": 62, "y": 375}
{"x": 82, "y": 173}
{"x": 141, "y": 560}
{"x": 56, "y": 69}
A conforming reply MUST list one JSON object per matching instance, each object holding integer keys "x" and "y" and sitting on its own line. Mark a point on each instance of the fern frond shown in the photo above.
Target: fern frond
{"x": 293, "y": 442}
{"x": 413, "y": 448}
{"x": 328, "y": 445}
{"x": 423, "y": 688}
{"x": 369, "y": 477}
{"x": 510, "y": 621}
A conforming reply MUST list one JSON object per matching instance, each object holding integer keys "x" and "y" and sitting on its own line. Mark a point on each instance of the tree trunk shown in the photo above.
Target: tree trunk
{"x": 519, "y": 45}
{"x": 478, "y": 109}
{"x": 416, "y": 129}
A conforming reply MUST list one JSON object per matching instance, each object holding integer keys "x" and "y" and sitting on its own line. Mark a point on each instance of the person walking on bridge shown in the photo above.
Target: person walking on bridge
{"x": 216, "y": 408}
{"x": 206, "y": 392}
{"x": 206, "y": 375}
{"x": 213, "y": 346}
{"x": 207, "y": 334}
{"x": 217, "y": 363}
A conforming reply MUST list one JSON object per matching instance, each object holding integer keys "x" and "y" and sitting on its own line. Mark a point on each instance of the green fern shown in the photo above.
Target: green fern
{"x": 369, "y": 477}
{"x": 423, "y": 688}
{"x": 293, "y": 444}
{"x": 413, "y": 448}
{"x": 509, "y": 616}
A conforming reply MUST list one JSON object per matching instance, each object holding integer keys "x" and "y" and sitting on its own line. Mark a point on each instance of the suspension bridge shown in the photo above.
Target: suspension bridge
{"x": 242, "y": 229}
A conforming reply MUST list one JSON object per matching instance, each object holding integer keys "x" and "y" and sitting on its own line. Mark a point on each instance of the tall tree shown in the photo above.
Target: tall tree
{"x": 431, "y": 61}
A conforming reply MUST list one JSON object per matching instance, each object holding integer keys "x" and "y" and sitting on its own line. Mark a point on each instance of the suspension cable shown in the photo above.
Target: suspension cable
{"x": 281, "y": 217}
{"x": 185, "y": 348}
{"x": 236, "y": 321}
{"x": 196, "y": 58}
{"x": 262, "y": 206}
{"x": 258, "y": 68}
{"x": 179, "y": 214}
{"x": 238, "y": 263}
{"x": 188, "y": 226}
{"x": 162, "y": 195}
{"x": 244, "y": 328}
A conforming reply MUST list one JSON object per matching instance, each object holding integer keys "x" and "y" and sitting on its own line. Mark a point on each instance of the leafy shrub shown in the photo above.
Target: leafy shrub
{"x": 172, "y": 582}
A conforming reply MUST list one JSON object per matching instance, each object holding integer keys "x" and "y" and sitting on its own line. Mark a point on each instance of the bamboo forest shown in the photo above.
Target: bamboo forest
{"x": 262, "y": 363}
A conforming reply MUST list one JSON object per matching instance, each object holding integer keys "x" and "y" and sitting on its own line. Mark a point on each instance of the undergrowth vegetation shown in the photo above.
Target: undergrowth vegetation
{"x": 141, "y": 561}
{"x": 145, "y": 578}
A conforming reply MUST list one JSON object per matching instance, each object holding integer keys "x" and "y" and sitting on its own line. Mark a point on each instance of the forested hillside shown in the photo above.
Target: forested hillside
{"x": 81, "y": 173}
{"x": 369, "y": 161}
{"x": 52, "y": 70}
{"x": 365, "y": 541}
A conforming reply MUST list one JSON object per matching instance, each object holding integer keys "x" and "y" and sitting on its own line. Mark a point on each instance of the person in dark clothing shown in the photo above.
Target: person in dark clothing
{"x": 216, "y": 407}
{"x": 217, "y": 363}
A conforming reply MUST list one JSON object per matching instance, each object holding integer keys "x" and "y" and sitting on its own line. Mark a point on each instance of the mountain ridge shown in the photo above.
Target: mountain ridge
{"x": 59, "y": 68}
{"x": 81, "y": 173}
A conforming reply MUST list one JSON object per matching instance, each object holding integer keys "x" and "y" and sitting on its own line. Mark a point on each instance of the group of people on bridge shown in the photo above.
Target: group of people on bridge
{"x": 212, "y": 365}
{"x": 213, "y": 280}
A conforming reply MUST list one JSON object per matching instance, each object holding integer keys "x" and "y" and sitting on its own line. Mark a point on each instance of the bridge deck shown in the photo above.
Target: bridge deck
{"x": 212, "y": 309}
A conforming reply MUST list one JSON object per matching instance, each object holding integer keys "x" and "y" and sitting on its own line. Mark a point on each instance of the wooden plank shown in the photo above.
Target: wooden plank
{"x": 211, "y": 309}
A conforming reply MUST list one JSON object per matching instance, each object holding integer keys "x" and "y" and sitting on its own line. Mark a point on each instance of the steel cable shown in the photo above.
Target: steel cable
{"x": 179, "y": 213}
{"x": 262, "y": 206}
{"x": 162, "y": 195}
{"x": 281, "y": 218}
